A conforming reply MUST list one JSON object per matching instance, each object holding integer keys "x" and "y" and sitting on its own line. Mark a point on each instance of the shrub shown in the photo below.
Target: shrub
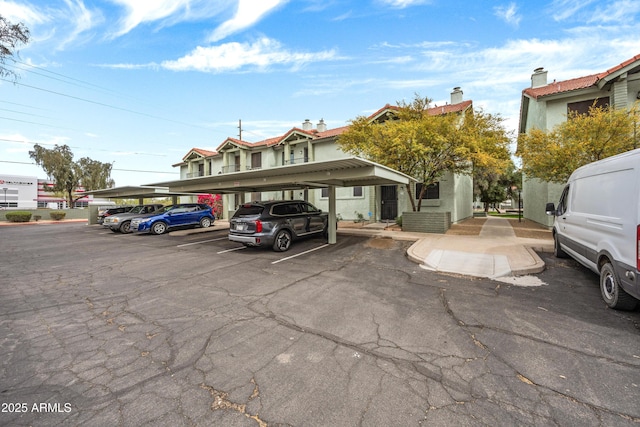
{"x": 18, "y": 216}
{"x": 399, "y": 220}
{"x": 57, "y": 215}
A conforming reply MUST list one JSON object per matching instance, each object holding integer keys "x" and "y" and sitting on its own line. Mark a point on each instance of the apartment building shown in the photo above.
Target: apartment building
{"x": 545, "y": 105}
{"x": 312, "y": 143}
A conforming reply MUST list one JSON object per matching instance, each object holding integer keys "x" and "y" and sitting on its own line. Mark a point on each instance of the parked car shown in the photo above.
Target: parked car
{"x": 597, "y": 222}
{"x": 276, "y": 223}
{"x": 104, "y": 213}
{"x": 121, "y": 222}
{"x": 182, "y": 215}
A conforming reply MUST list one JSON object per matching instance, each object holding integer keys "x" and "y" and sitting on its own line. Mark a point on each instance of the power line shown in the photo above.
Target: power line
{"x": 22, "y": 112}
{"x": 85, "y": 148}
{"x": 121, "y": 170}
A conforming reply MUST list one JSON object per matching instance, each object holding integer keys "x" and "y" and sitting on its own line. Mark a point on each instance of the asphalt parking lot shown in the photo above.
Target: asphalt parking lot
{"x": 104, "y": 329}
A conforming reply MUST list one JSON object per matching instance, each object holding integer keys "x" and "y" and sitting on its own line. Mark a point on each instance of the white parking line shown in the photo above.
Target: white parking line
{"x": 231, "y": 250}
{"x": 301, "y": 253}
{"x": 203, "y": 241}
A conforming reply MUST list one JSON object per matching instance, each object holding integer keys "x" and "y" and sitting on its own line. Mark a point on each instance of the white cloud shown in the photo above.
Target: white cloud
{"x": 566, "y": 9}
{"x": 616, "y": 11}
{"x": 166, "y": 12}
{"x": 508, "y": 13}
{"x": 15, "y": 13}
{"x": 247, "y": 14}
{"x": 82, "y": 20}
{"x": 61, "y": 24}
{"x": 402, "y": 4}
{"x": 260, "y": 55}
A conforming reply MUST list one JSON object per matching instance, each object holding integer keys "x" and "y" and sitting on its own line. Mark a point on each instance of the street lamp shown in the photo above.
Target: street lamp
{"x": 5, "y": 196}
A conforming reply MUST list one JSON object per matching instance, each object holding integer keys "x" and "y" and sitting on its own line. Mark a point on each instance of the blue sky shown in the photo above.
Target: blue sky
{"x": 140, "y": 83}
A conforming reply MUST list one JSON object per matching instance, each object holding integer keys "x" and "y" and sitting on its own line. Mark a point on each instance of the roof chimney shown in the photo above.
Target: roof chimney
{"x": 322, "y": 126}
{"x": 538, "y": 78}
{"x": 456, "y": 95}
{"x": 307, "y": 125}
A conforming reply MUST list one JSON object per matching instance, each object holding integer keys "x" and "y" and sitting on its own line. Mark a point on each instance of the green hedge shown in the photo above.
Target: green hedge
{"x": 18, "y": 216}
{"x": 57, "y": 215}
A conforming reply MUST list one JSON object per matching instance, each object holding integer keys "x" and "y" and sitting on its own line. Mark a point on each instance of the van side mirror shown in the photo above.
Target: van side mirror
{"x": 550, "y": 209}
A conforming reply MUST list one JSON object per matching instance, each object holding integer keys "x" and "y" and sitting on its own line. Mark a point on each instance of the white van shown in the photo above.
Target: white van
{"x": 597, "y": 222}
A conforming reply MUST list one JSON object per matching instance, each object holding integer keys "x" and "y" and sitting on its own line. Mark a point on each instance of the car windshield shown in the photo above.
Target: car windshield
{"x": 137, "y": 209}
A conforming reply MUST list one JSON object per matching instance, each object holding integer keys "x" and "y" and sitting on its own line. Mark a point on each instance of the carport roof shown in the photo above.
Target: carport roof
{"x": 134, "y": 192}
{"x": 347, "y": 172}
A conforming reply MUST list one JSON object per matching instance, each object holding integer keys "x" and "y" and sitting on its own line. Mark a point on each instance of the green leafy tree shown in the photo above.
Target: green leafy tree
{"x": 424, "y": 145}
{"x": 494, "y": 186}
{"x": 583, "y": 138}
{"x": 11, "y": 36}
{"x": 68, "y": 175}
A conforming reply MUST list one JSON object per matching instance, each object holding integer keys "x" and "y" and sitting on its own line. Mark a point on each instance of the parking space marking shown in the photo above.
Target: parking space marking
{"x": 301, "y": 253}
{"x": 231, "y": 250}
{"x": 203, "y": 241}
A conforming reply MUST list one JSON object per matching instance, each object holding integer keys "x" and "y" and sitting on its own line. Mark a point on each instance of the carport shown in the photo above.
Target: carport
{"x": 347, "y": 172}
{"x": 139, "y": 192}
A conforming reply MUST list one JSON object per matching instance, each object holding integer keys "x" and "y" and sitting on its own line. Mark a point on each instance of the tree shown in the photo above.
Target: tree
{"x": 583, "y": 138}
{"x": 491, "y": 186}
{"x": 425, "y": 145}
{"x": 213, "y": 200}
{"x": 69, "y": 175}
{"x": 11, "y": 35}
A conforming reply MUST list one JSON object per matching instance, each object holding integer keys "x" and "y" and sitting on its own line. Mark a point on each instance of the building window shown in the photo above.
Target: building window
{"x": 256, "y": 160}
{"x": 325, "y": 192}
{"x": 433, "y": 191}
{"x": 582, "y": 107}
{"x": 357, "y": 191}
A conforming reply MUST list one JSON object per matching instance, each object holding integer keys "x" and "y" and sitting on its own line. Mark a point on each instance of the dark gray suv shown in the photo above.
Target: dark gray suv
{"x": 276, "y": 223}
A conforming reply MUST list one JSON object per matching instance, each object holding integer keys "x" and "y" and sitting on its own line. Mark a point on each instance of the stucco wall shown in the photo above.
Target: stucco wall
{"x": 463, "y": 200}
{"x": 537, "y": 194}
{"x": 456, "y": 197}
{"x": 346, "y": 204}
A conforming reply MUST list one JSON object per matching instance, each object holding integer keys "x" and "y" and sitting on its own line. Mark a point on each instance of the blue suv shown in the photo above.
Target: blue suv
{"x": 182, "y": 215}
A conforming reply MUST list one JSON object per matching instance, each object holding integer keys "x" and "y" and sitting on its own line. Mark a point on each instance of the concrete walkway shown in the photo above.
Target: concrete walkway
{"x": 496, "y": 252}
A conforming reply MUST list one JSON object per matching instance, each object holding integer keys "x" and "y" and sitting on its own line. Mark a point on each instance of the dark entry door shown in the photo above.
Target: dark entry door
{"x": 389, "y": 202}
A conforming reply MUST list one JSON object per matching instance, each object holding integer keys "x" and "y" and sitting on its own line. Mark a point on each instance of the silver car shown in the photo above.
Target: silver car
{"x": 276, "y": 223}
{"x": 121, "y": 222}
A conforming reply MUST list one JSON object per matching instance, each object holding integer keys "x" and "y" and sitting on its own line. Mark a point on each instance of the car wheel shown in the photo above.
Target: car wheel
{"x": 282, "y": 241}
{"x": 158, "y": 228}
{"x": 205, "y": 222}
{"x": 612, "y": 293}
{"x": 125, "y": 227}
{"x": 557, "y": 250}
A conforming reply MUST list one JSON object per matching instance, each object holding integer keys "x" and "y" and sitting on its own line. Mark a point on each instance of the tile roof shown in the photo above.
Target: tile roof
{"x": 316, "y": 135}
{"x": 577, "y": 83}
{"x": 449, "y": 108}
{"x": 619, "y": 66}
{"x": 205, "y": 153}
{"x": 563, "y": 86}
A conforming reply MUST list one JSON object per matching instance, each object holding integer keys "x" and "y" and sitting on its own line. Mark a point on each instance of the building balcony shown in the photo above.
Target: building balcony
{"x": 195, "y": 174}
{"x": 296, "y": 160}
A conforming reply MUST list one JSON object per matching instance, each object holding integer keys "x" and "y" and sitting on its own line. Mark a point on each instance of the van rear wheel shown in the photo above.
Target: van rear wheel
{"x": 612, "y": 292}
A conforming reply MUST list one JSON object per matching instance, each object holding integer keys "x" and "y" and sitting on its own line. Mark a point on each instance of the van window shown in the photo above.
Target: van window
{"x": 562, "y": 204}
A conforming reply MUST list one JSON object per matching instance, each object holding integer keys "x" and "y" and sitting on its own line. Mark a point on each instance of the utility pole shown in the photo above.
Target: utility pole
{"x": 240, "y": 129}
